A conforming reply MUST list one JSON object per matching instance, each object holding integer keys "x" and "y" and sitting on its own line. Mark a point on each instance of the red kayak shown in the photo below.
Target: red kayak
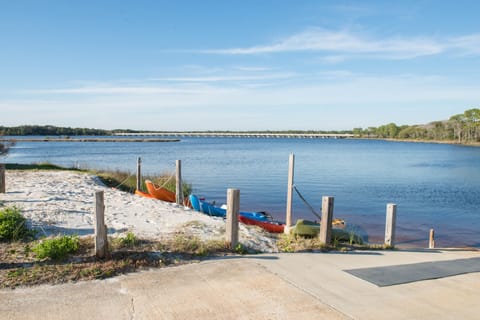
{"x": 270, "y": 226}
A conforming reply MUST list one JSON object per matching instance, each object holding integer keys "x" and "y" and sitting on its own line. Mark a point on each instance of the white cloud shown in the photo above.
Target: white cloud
{"x": 345, "y": 43}
{"x": 227, "y": 78}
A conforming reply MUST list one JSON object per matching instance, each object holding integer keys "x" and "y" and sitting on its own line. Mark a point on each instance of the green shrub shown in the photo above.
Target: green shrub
{"x": 56, "y": 248}
{"x": 12, "y": 224}
{"x": 128, "y": 241}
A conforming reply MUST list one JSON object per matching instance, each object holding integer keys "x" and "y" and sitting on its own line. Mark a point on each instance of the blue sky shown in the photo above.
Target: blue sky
{"x": 237, "y": 65}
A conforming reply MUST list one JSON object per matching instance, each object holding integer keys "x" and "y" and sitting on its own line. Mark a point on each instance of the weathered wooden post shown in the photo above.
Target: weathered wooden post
{"x": 391, "y": 221}
{"x": 2, "y": 178}
{"x": 431, "y": 241}
{"x": 326, "y": 223}
{"x": 139, "y": 174}
{"x": 291, "y": 169}
{"x": 233, "y": 208}
{"x": 178, "y": 189}
{"x": 101, "y": 242}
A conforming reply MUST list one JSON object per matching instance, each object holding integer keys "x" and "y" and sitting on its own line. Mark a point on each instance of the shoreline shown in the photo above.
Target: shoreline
{"x": 450, "y": 142}
{"x": 89, "y": 140}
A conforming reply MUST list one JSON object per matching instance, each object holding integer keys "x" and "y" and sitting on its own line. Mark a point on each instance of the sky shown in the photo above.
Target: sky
{"x": 237, "y": 65}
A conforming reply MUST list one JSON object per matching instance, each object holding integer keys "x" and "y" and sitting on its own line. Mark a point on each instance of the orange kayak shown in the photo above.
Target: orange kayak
{"x": 157, "y": 192}
{"x": 143, "y": 194}
{"x": 160, "y": 193}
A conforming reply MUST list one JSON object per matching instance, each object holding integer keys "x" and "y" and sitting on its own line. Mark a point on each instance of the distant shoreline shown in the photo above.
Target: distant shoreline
{"x": 89, "y": 140}
{"x": 451, "y": 142}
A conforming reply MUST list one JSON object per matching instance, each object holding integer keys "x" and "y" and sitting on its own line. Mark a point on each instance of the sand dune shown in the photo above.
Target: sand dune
{"x": 62, "y": 202}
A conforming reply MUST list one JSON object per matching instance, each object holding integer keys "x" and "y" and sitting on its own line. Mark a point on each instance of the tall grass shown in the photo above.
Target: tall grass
{"x": 127, "y": 181}
{"x": 122, "y": 180}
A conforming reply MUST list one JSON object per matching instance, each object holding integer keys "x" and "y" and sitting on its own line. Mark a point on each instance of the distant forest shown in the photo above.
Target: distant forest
{"x": 55, "y": 131}
{"x": 462, "y": 128}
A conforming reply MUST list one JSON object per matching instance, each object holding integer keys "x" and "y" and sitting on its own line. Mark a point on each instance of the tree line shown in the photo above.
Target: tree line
{"x": 462, "y": 128}
{"x": 33, "y": 130}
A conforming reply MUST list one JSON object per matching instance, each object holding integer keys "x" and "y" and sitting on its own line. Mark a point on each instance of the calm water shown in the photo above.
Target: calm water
{"x": 435, "y": 186}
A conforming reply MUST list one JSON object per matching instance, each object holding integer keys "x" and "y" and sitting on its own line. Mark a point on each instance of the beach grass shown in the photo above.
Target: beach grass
{"x": 118, "y": 179}
{"x": 23, "y": 266}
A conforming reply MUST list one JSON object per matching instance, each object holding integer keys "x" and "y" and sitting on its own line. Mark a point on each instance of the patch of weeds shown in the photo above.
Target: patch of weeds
{"x": 56, "y": 248}
{"x": 128, "y": 241}
{"x": 292, "y": 243}
{"x": 194, "y": 224}
{"x": 195, "y": 246}
{"x": 17, "y": 273}
{"x": 241, "y": 249}
{"x": 13, "y": 225}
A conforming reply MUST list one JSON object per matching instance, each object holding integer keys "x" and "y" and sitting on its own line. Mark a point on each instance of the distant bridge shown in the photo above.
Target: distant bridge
{"x": 242, "y": 135}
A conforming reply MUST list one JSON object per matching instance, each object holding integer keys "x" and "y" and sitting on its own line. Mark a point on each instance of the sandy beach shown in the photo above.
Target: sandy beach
{"x": 62, "y": 202}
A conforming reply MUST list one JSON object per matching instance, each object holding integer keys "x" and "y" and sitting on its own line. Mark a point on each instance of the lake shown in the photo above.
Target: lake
{"x": 434, "y": 185}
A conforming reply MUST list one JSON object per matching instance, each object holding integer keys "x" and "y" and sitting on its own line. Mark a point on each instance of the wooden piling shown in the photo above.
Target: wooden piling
{"x": 431, "y": 241}
{"x": 2, "y": 178}
{"x": 101, "y": 242}
{"x": 325, "y": 235}
{"x": 178, "y": 189}
{"x": 233, "y": 208}
{"x": 139, "y": 174}
{"x": 390, "y": 224}
{"x": 291, "y": 169}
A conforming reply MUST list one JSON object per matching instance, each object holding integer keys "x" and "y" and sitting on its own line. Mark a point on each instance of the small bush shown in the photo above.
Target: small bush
{"x": 56, "y": 248}
{"x": 128, "y": 241}
{"x": 12, "y": 225}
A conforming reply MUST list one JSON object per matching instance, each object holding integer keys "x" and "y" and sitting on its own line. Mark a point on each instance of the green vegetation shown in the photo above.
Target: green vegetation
{"x": 37, "y": 166}
{"x": 194, "y": 246}
{"x": 126, "y": 181}
{"x": 128, "y": 241}
{"x": 461, "y": 128}
{"x": 56, "y": 248}
{"x": 13, "y": 225}
{"x": 73, "y": 259}
{"x": 118, "y": 179}
{"x": 341, "y": 240}
{"x": 51, "y": 131}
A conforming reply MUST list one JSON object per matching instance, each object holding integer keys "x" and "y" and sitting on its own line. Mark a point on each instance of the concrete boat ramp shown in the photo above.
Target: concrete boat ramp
{"x": 271, "y": 286}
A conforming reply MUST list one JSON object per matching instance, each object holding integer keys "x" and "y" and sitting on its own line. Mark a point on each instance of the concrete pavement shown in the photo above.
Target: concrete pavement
{"x": 280, "y": 286}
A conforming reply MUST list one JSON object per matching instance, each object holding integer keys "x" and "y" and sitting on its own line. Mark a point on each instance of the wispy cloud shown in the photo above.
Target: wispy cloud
{"x": 227, "y": 78}
{"x": 348, "y": 43}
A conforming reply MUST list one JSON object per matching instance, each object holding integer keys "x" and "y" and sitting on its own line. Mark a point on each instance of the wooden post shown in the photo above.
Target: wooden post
{"x": 390, "y": 224}
{"x": 431, "y": 242}
{"x": 326, "y": 223}
{"x": 2, "y": 178}
{"x": 139, "y": 174}
{"x": 178, "y": 189}
{"x": 233, "y": 208}
{"x": 101, "y": 242}
{"x": 291, "y": 169}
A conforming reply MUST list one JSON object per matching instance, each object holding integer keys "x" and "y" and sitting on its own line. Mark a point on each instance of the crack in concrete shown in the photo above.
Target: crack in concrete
{"x": 132, "y": 309}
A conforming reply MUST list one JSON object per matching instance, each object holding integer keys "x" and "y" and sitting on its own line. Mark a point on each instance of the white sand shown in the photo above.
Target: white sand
{"x": 62, "y": 202}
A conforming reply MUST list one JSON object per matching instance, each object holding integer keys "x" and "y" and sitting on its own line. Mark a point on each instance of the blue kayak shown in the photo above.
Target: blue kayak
{"x": 210, "y": 209}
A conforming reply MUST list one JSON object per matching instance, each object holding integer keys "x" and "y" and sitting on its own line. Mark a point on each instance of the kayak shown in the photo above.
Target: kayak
{"x": 306, "y": 228}
{"x": 270, "y": 226}
{"x": 260, "y": 219}
{"x": 160, "y": 193}
{"x": 144, "y": 194}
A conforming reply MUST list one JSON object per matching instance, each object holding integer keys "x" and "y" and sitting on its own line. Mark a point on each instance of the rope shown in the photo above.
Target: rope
{"x": 124, "y": 181}
{"x": 164, "y": 184}
{"x": 306, "y": 202}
